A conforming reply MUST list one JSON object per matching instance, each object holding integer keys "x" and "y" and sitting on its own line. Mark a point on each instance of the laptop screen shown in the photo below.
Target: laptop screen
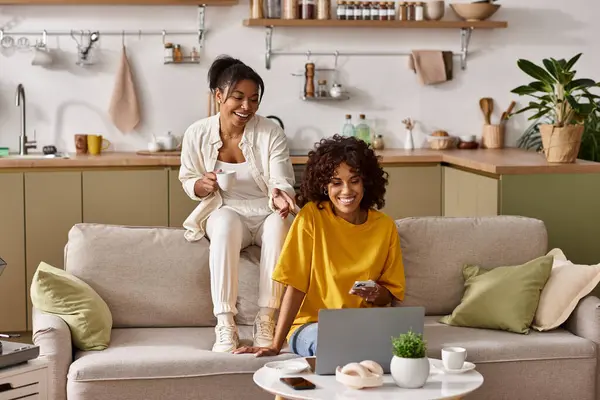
{"x": 2, "y": 265}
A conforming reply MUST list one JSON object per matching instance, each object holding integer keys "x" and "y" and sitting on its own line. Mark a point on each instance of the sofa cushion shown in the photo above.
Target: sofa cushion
{"x": 492, "y": 346}
{"x": 435, "y": 249}
{"x": 142, "y": 353}
{"x": 59, "y": 293}
{"x": 503, "y": 297}
{"x": 153, "y": 277}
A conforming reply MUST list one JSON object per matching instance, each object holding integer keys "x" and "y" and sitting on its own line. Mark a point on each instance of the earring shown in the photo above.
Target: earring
{"x": 325, "y": 192}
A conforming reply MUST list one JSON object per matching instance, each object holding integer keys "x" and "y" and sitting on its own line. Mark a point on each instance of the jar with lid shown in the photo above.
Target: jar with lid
{"x": 289, "y": 9}
{"x": 322, "y": 88}
{"x": 402, "y": 11}
{"x": 418, "y": 11}
{"x": 357, "y": 10}
{"x": 366, "y": 11}
{"x": 306, "y": 9}
{"x": 272, "y": 9}
{"x": 410, "y": 11}
{"x": 378, "y": 143}
{"x": 350, "y": 10}
{"x": 336, "y": 90}
{"x": 383, "y": 13}
{"x": 194, "y": 55}
{"x": 374, "y": 11}
{"x": 256, "y": 9}
{"x": 341, "y": 10}
{"x": 391, "y": 10}
{"x": 168, "y": 52}
{"x": 177, "y": 54}
{"x": 323, "y": 9}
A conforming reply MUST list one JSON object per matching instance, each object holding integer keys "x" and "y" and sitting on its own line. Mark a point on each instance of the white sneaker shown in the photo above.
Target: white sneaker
{"x": 264, "y": 329}
{"x": 227, "y": 338}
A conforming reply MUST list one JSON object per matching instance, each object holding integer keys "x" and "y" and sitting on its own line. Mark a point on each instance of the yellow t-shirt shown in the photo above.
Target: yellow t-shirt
{"x": 324, "y": 255}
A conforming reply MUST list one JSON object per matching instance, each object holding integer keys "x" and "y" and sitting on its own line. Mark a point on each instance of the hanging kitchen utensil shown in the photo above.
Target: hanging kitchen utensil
{"x": 487, "y": 107}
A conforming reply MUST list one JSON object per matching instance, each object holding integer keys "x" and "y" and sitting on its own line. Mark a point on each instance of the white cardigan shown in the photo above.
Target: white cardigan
{"x": 264, "y": 146}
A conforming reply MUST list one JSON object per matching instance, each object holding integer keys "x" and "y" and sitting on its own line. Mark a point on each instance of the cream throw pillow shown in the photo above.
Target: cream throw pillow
{"x": 60, "y": 293}
{"x": 568, "y": 283}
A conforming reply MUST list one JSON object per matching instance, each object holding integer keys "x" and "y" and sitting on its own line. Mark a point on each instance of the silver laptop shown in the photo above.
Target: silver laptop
{"x": 357, "y": 334}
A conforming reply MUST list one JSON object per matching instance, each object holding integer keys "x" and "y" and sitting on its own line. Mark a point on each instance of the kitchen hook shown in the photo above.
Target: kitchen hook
{"x": 336, "y": 54}
{"x": 308, "y": 56}
{"x": 164, "y": 34}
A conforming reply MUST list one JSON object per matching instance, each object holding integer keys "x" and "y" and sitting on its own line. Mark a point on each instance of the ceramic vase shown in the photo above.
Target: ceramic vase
{"x": 409, "y": 143}
{"x": 410, "y": 373}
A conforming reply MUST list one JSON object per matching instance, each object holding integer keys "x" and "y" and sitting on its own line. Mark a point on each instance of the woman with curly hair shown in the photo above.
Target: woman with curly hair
{"x": 337, "y": 238}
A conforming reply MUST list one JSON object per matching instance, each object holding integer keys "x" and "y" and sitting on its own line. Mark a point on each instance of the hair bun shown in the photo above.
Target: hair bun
{"x": 220, "y": 65}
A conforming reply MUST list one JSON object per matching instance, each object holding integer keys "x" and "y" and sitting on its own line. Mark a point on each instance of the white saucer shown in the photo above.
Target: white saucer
{"x": 288, "y": 367}
{"x": 439, "y": 365}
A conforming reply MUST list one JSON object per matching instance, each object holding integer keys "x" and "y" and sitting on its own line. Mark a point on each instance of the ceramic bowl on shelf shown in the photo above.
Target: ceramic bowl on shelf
{"x": 435, "y": 9}
{"x": 474, "y": 11}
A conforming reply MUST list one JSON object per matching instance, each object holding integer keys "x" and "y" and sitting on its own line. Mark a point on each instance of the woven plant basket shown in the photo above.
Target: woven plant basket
{"x": 561, "y": 144}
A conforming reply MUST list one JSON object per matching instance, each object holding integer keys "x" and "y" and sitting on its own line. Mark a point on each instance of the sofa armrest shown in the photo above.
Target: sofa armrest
{"x": 585, "y": 319}
{"x": 53, "y": 336}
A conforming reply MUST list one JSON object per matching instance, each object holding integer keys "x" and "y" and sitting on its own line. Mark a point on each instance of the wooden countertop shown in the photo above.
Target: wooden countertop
{"x": 504, "y": 161}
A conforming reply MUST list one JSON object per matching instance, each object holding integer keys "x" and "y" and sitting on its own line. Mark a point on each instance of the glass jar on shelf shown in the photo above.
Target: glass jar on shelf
{"x": 177, "y": 54}
{"x": 402, "y": 11}
{"x": 323, "y": 9}
{"x": 383, "y": 11}
{"x": 366, "y": 10}
{"x": 168, "y": 54}
{"x": 418, "y": 13}
{"x": 341, "y": 10}
{"x": 391, "y": 7}
{"x": 336, "y": 90}
{"x": 322, "y": 88}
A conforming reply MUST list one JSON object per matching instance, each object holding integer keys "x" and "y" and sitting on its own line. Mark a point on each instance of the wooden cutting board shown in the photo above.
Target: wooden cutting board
{"x": 175, "y": 153}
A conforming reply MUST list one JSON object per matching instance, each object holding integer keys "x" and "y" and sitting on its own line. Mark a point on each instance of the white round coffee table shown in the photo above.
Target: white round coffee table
{"x": 438, "y": 386}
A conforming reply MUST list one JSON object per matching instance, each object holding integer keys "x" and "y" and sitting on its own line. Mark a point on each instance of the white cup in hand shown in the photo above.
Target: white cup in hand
{"x": 225, "y": 179}
{"x": 454, "y": 357}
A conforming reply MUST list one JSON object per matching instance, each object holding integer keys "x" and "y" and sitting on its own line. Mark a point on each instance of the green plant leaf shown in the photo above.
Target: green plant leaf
{"x": 572, "y": 62}
{"x": 552, "y": 68}
{"x": 579, "y": 84}
{"x": 541, "y": 87}
{"x": 522, "y": 110}
{"x": 535, "y": 71}
{"x": 524, "y": 90}
{"x": 409, "y": 345}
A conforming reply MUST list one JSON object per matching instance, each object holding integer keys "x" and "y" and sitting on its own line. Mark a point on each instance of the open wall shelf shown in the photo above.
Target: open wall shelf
{"x": 465, "y": 28}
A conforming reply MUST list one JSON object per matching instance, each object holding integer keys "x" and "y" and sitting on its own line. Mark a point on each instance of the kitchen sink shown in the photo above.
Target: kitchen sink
{"x": 38, "y": 156}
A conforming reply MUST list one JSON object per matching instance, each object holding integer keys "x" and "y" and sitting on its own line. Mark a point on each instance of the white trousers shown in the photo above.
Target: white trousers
{"x": 231, "y": 229}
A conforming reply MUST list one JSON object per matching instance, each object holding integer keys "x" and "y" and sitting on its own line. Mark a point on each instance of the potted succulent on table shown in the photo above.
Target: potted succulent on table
{"x": 410, "y": 366}
{"x": 559, "y": 97}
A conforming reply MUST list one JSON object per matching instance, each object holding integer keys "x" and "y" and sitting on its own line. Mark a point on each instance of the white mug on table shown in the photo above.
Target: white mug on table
{"x": 454, "y": 357}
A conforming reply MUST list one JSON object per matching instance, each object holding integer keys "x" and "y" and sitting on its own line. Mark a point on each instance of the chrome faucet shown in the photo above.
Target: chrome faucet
{"x": 24, "y": 145}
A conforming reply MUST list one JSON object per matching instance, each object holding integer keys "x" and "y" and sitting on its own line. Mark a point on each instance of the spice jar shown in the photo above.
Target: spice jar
{"x": 177, "y": 54}
{"x": 402, "y": 11}
{"x": 290, "y": 9}
{"x": 256, "y": 9}
{"x": 378, "y": 143}
{"x": 323, "y": 9}
{"x": 194, "y": 55}
{"x": 341, "y": 10}
{"x": 336, "y": 90}
{"x": 350, "y": 10}
{"x": 357, "y": 11}
{"x": 366, "y": 11}
{"x": 322, "y": 88}
{"x": 391, "y": 10}
{"x": 419, "y": 11}
{"x": 168, "y": 52}
{"x": 410, "y": 11}
{"x": 306, "y": 9}
{"x": 383, "y": 13}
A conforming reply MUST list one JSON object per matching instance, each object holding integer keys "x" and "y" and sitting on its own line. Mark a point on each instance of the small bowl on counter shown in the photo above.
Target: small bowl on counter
{"x": 441, "y": 142}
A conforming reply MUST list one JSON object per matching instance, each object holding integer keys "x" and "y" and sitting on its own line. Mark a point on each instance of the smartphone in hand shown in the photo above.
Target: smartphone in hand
{"x": 363, "y": 284}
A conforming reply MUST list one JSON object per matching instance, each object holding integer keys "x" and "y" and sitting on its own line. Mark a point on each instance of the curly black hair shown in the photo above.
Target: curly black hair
{"x": 328, "y": 155}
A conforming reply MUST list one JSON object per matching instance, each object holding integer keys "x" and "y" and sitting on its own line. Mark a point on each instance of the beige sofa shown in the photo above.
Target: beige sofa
{"x": 157, "y": 287}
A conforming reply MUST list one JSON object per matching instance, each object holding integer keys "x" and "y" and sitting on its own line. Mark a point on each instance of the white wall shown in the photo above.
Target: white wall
{"x": 66, "y": 99}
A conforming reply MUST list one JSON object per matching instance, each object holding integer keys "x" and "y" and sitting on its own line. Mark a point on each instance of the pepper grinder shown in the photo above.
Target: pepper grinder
{"x": 309, "y": 85}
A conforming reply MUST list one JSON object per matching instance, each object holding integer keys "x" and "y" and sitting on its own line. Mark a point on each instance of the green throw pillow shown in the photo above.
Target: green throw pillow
{"x": 503, "y": 298}
{"x": 57, "y": 292}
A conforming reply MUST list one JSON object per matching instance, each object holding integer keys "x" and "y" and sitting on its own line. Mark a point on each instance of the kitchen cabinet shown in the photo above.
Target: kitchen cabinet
{"x": 467, "y": 194}
{"x": 52, "y": 207}
{"x": 180, "y": 204}
{"x": 413, "y": 191}
{"x": 126, "y": 197}
{"x": 13, "y": 317}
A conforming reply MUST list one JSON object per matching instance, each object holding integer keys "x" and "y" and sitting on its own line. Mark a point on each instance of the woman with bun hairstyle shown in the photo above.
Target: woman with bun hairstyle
{"x": 254, "y": 210}
{"x": 338, "y": 237}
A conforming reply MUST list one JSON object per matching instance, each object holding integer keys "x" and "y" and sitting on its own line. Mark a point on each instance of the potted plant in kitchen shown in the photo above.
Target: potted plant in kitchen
{"x": 563, "y": 101}
{"x": 409, "y": 366}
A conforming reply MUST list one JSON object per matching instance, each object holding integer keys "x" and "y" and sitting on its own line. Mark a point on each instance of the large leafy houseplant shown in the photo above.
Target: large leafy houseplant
{"x": 561, "y": 101}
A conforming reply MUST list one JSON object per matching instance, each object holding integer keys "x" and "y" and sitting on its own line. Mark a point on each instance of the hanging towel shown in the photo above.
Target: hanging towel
{"x": 431, "y": 66}
{"x": 124, "y": 108}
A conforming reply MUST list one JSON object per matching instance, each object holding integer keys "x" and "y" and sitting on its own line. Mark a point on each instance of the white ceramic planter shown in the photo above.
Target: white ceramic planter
{"x": 409, "y": 373}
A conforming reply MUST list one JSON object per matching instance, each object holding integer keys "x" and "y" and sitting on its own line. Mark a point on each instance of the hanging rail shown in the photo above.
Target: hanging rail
{"x": 200, "y": 32}
{"x": 465, "y": 38}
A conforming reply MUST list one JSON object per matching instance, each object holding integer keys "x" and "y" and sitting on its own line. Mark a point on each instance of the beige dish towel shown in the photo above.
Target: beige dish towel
{"x": 432, "y": 66}
{"x": 124, "y": 108}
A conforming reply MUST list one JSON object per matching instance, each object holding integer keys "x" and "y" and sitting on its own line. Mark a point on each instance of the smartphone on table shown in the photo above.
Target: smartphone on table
{"x": 298, "y": 383}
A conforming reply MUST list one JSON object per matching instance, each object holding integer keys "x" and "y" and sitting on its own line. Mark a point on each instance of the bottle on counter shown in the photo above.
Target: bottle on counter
{"x": 363, "y": 132}
{"x": 348, "y": 129}
{"x": 378, "y": 143}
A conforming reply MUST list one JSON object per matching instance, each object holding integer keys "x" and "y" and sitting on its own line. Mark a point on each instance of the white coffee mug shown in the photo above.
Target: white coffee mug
{"x": 454, "y": 357}
{"x": 226, "y": 179}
